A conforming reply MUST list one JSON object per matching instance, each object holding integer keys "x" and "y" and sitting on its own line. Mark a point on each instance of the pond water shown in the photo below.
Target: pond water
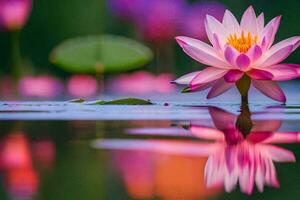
{"x": 180, "y": 150}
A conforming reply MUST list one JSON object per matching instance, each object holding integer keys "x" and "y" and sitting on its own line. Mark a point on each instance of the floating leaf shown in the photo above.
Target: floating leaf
{"x": 128, "y": 101}
{"x": 77, "y": 101}
{"x": 103, "y": 53}
{"x": 292, "y": 107}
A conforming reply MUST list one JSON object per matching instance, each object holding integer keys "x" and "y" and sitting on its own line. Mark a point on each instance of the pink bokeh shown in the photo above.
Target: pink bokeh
{"x": 158, "y": 21}
{"x": 14, "y": 13}
{"x": 82, "y": 86}
{"x": 21, "y": 179}
{"x": 40, "y": 86}
{"x": 192, "y": 24}
{"x": 142, "y": 82}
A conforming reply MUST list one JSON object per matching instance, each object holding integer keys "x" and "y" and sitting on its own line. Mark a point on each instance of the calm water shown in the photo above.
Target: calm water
{"x": 177, "y": 151}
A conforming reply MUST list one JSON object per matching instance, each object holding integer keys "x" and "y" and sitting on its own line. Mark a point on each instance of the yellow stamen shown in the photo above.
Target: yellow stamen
{"x": 242, "y": 43}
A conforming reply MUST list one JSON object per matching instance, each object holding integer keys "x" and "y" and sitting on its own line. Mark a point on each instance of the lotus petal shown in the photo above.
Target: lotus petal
{"x": 219, "y": 88}
{"x": 270, "y": 89}
{"x": 249, "y": 21}
{"x": 207, "y": 75}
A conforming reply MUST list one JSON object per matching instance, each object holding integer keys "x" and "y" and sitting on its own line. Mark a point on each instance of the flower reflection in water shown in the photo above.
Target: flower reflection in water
{"x": 242, "y": 151}
{"x": 239, "y": 150}
{"x": 20, "y": 176}
{"x": 148, "y": 174}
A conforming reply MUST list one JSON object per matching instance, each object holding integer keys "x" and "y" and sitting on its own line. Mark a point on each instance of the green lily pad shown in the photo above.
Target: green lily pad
{"x": 103, "y": 53}
{"x": 292, "y": 107}
{"x": 127, "y": 101}
{"x": 77, "y": 101}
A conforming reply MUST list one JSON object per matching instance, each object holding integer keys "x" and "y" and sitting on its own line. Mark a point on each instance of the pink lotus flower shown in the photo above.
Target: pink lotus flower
{"x": 14, "y": 13}
{"x": 82, "y": 86}
{"x": 240, "y": 54}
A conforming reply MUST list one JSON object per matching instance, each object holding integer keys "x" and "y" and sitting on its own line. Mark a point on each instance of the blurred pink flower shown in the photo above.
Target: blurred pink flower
{"x": 124, "y": 9}
{"x": 158, "y": 20}
{"x": 142, "y": 82}
{"x": 193, "y": 18}
{"x": 82, "y": 86}
{"x": 14, "y": 13}
{"x": 40, "y": 86}
{"x": 240, "y": 51}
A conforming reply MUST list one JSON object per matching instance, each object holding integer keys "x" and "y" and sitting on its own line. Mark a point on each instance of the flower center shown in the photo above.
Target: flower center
{"x": 242, "y": 43}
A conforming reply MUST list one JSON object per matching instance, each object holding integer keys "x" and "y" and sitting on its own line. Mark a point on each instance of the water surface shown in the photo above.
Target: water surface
{"x": 183, "y": 150}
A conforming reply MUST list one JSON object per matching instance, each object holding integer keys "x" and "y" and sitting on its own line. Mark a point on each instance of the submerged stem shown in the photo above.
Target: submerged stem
{"x": 244, "y": 123}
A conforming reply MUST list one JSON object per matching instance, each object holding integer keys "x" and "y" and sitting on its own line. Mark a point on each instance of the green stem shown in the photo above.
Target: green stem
{"x": 243, "y": 86}
{"x": 16, "y": 55}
